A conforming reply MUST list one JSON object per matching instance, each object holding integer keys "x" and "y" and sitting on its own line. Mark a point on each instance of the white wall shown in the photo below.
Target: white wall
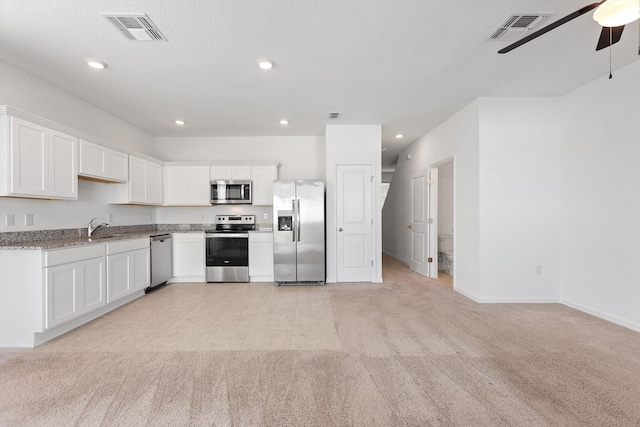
{"x": 459, "y": 137}
{"x": 520, "y": 182}
{"x": 601, "y": 198}
{"x": 58, "y": 214}
{"x": 25, "y": 92}
{"x": 207, "y": 214}
{"x": 353, "y": 145}
{"x": 301, "y": 157}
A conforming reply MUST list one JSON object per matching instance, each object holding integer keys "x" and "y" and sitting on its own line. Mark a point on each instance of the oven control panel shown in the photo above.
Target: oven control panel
{"x": 235, "y": 219}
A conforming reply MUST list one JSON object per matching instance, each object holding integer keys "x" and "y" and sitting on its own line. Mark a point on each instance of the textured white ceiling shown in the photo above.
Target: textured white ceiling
{"x": 405, "y": 64}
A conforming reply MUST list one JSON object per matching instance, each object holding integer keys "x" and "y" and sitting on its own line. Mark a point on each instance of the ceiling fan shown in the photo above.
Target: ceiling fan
{"x": 613, "y": 15}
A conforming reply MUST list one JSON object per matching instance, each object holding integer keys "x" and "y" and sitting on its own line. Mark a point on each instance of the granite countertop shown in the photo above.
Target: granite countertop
{"x": 58, "y": 239}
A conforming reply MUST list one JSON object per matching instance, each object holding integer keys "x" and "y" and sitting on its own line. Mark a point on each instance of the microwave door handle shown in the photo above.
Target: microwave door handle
{"x": 298, "y": 217}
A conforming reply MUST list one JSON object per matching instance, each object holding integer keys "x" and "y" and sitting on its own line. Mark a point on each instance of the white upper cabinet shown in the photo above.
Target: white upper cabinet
{"x": 144, "y": 186}
{"x": 230, "y": 172}
{"x": 187, "y": 186}
{"x": 102, "y": 163}
{"x": 40, "y": 162}
{"x": 262, "y": 178}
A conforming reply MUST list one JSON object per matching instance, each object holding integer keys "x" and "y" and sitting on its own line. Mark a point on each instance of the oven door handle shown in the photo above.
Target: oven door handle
{"x": 226, "y": 235}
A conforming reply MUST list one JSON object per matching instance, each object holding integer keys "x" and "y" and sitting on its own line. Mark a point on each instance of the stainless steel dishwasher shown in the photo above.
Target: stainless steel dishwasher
{"x": 160, "y": 261}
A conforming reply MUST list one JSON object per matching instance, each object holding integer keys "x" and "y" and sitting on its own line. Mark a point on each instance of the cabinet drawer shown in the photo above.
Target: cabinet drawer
{"x": 79, "y": 253}
{"x": 260, "y": 237}
{"x": 127, "y": 245}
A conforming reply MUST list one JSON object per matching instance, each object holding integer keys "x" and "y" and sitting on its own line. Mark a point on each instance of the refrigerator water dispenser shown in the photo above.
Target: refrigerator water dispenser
{"x": 285, "y": 220}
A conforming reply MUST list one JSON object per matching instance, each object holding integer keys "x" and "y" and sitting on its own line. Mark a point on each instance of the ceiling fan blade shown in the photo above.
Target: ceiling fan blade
{"x": 551, "y": 26}
{"x": 609, "y": 36}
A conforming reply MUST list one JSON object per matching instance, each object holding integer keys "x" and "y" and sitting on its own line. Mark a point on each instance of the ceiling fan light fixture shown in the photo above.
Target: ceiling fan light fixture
{"x": 614, "y": 13}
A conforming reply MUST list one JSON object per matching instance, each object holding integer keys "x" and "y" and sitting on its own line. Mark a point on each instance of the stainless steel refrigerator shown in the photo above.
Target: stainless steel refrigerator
{"x": 298, "y": 231}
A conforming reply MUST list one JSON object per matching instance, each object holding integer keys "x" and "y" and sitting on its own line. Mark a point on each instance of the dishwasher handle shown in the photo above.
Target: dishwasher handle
{"x": 161, "y": 237}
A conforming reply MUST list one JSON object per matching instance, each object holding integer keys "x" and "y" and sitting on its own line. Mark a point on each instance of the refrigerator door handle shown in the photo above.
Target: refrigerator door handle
{"x": 293, "y": 220}
{"x": 298, "y": 217}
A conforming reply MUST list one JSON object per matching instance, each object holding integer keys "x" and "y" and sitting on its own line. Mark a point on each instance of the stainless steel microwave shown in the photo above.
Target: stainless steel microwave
{"x": 230, "y": 192}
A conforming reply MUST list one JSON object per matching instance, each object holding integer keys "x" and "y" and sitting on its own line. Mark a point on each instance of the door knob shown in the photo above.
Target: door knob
{"x": 409, "y": 226}
{"x": 340, "y": 229}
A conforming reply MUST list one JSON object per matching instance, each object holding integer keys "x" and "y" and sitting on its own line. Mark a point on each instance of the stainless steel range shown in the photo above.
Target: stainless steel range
{"x": 227, "y": 249}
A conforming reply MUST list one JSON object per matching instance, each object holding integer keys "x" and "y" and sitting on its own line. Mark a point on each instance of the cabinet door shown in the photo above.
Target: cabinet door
{"x": 154, "y": 184}
{"x": 262, "y": 178}
{"x": 63, "y": 166}
{"x": 240, "y": 172}
{"x": 118, "y": 283}
{"x": 176, "y": 183}
{"x": 220, "y": 172}
{"x": 261, "y": 257}
{"x": 29, "y": 158}
{"x": 139, "y": 272}
{"x": 61, "y": 292}
{"x": 230, "y": 172}
{"x": 117, "y": 166}
{"x": 188, "y": 255}
{"x": 199, "y": 185}
{"x": 93, "y": 160}
{"x": 93, "y": 284}
{"x": 137, "y": 180}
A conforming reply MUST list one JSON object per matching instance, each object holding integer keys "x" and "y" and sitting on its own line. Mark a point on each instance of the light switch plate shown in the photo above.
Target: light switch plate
{"x": 10, "y": 220}
{"x": 28, "y": 219}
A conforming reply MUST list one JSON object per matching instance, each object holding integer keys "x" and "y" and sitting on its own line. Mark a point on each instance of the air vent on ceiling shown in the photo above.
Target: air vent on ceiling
{"x": 135, "y": 26}
{"x": 519, "y": 24}
{"x": 334, "y": 115}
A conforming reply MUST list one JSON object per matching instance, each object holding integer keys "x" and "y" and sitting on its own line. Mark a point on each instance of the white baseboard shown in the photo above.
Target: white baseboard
{"x": 635, "y": 326}
{"x": 187, "y": 279}
{"x": 467, "y": 294}
{"x": 523, "y": 300}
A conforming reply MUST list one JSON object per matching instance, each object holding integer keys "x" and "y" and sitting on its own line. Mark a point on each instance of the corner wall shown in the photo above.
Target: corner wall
{"x": 25, "y": 92}
{"x": 601, "y": 198}
{"x": 520, "y": 203}
{"x": 353, "y": 145}
{"x": 458, "y": 137}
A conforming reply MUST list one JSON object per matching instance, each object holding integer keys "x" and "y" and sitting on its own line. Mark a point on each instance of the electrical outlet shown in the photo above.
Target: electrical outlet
{"x": 28, "y": 219}
{"x": 110, "y": 218}
{"x": 538, "y": 270}
{"x": 265, "y": 216}
{"x": 10, "y": 220}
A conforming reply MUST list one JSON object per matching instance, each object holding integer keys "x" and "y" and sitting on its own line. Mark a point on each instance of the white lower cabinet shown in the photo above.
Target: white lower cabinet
{"x": 74, "y": 288}
{"x": 45, "y": 293}
{"x": 128, "y": 270}
{"x": 188, "y": 257}
{"x": 261, "y": 257}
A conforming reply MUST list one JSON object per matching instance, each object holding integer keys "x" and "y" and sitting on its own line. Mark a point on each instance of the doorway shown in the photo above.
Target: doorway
{"x": 446, "y": 265}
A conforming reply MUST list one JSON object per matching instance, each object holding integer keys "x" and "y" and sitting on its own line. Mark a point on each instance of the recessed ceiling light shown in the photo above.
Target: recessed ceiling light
{"x": 96, "y": 64}
{"x": 265, "y": 64}
{"x": 179, "y": 122}
{"x": 399, "y": 136}
{"x": 284, "y": 122}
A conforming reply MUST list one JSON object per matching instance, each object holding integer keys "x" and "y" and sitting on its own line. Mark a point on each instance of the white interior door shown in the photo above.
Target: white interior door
{"x": 354, "y": 223}
{"x": 418, "y": 227}
{"x": 424, "y": 238}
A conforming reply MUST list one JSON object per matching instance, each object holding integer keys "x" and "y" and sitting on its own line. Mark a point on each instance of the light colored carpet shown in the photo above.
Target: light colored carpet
{"x": 409, "y": 352}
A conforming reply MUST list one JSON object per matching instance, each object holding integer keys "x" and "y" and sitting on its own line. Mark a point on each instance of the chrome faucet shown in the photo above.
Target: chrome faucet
{"x": 91, "y": 229}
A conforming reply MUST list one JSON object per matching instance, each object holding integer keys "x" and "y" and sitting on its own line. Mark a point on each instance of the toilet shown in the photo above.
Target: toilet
{"x": 445, "y": 251}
